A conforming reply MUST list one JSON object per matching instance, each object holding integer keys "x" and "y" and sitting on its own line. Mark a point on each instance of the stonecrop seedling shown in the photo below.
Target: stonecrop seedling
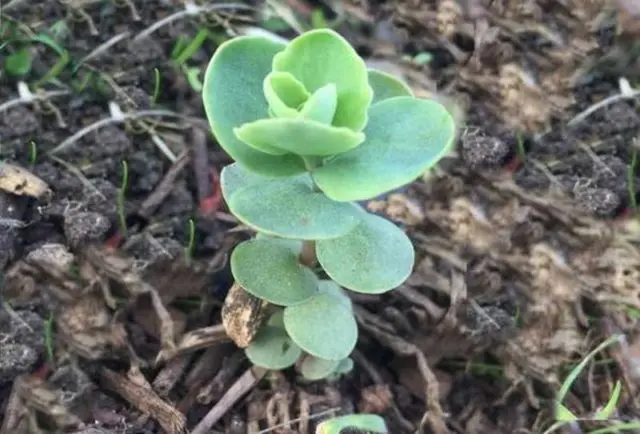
{"x": 313, "y": 131}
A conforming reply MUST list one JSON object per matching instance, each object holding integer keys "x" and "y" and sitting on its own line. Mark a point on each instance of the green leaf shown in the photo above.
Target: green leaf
{"x": 607, "y": 411}
{"x": 233, "y": 95}
{"x": 18, "y": 64}
{"x": 332, "y": 288}
{"x": 564, "y": 414}
{"x": 273, "y": 349}
{"x": 278, "y": 136}
{"x": 290, "y": 208}
{"x": 386, "y": 86}
{"x": 234, "y": 177}
{"x": 345, "y": 366}
{"x": 272, "y": 272}
{"x": 48, "y": 41}
{"x": 323, "y": 326}
{"x": 294, "y": 245}
{"x": 321, "y": 106}
{"x": 284, "y": 94}
{"x": 319, "y": 57}
{"x": 373, "y": 258}
{"x": 313, "y": 368}
{"x": 192, "y": 74}
{"x": 370, "y": 423}
{"x": 404, "y": 137}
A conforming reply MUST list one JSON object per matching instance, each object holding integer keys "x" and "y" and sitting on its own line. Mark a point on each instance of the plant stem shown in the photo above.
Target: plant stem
{"x": 311, "y": 163}
{"x": 308, "y": 254}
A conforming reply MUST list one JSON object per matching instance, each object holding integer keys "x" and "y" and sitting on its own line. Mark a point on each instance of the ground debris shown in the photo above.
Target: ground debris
{"x": 139, "y": 393}
{"x": 521, "y": 59}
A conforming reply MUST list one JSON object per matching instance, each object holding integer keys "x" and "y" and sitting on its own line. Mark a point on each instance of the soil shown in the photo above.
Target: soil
{"x": 526, "y": 235}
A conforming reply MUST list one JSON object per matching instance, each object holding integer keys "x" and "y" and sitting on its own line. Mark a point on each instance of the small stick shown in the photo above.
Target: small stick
{"x": 206, "y": 176}
{"x": 108, "y": 121}
{"x": 162, "y": 191}
{"x": 211, "y": 391}
{"x": 15, "y": 410}
{"x": 200, "y": 164}
{"x": 196, "y": 340}
{"x": 167, "y": 378}
{"x": 203, "y": 369}
{"x": 247, "y": 381}
{"x": 145, "y": 400}
{"x": 189, "y": 10}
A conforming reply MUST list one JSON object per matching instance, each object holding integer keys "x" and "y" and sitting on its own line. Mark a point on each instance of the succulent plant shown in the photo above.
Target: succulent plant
{"x": 313, "y": 131}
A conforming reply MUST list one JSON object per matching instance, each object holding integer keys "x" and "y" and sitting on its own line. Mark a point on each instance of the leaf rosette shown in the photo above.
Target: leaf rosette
{"x": 312, "y": 132}
{"x": 312, "y": 105}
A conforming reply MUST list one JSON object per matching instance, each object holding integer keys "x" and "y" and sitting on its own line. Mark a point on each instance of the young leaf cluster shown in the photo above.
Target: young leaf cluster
{"x": 313, "y": 131}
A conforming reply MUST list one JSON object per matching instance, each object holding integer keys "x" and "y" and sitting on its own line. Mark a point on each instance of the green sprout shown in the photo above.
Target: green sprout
{"x": 564, "y": 416}
{"x": 122, "y": 194}
{"x": 48, "y": 338}
{"x": 520, "y": 150}
{"x": 183, "y": 51}
{"x": 370, "y": 423}
{"x": 188, "y": 251}
{"x": 19, "y": 62}
{"x": 156, "y": 85}
{"x": 33, "y": 153}
{"x": 313, "y": 132}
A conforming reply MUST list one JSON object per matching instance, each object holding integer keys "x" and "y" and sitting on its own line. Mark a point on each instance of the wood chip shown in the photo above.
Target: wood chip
{"x": 21, "y": 182}
{"x": 242, "y": 315}
{"x": 145, "y": 400}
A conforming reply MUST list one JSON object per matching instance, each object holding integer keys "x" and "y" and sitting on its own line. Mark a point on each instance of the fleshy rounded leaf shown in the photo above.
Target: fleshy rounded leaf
{"x": 322, "y": 326}
{"x": 273, "y": 349}
{"x": 234, "y": 177}
{"x": 322, "y": 56}
{"x": 321, "y": 106}
{"x": 404, "y": 137}
{"x": 294, "y": 245}
{"x": 332, "y": 288}
{"x": 386, "y": 86}
{"x": 284, "y": 94}
{"x": 373, "y": 258}
{"x": 345, "y": 366}
{"x": 232, "y": 95}
{"x": 290, "y": 208}
{"x": 299, "y": 136}
{"x": 272, "y": 272}
{"x": 314, "y": 368}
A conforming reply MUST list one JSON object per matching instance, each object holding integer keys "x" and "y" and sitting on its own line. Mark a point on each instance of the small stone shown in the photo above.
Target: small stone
{"x": 137, "y": 99}
{"x": 146, "y": 50}
{"x": 598, "y": 202}
{"x": 22, "y": 343}
{"x": 111, "y": 141}
{"x": 16, "y": 359}
{"x": 483, "y": 152}
{"x": 85, "y": 227}
{"x": 53, "y": 254}
{"x": 28, "y": 329}
{"x": 18, "y": 122}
